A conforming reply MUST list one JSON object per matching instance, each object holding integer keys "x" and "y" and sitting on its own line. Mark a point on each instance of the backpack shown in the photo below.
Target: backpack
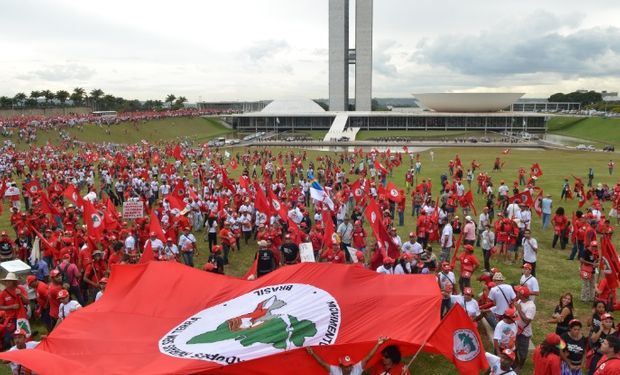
{"x": 64, "y": 274}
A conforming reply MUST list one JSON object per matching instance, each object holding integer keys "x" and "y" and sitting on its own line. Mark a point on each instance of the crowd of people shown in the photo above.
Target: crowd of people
{"x": 66, "y": 225}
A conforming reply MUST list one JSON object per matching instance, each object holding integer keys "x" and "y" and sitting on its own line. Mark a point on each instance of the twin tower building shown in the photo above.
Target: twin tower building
{"x": 341, "y": 56}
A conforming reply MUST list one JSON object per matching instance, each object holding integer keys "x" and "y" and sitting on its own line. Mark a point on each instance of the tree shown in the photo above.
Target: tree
{"x": 170, "y": 99}
{"x": 19, "y": 99}
{"x": 34, "y": 98}
{"x": 94, "y": 97}
{"x": 62, "y": 96}
{"x": 78, "y": 95}
{"x": 48, "y": 95}
{"x": 178, "y": 104}
{"x": 5, "y": 102}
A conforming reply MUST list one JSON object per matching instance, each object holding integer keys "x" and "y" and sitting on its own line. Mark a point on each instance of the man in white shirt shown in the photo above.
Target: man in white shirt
{"x": 412, "y": 246}
{"x": 513, "y": 211}
{"x": 530, "y": 249}
{"x": 388, "y": 266}
{"x": 447, "y": 283}
{"x": 446, "y": 242}
{"x": 504, "y": 336}
{"x": 501, "y": 294}
{"x": 501, "y": 365}
{"x": 156, "y": 243}
{"x": 528, "y": 280}
{"x": 19, "y": 338}
{"x": 466, "y": 300}
{"x": 346, "y": 365}
{"x": 526, "y": 309}
{"x": 67, "y": 306}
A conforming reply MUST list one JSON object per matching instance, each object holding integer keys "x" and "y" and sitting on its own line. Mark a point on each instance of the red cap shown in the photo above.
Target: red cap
{"x": 153, "y": 234}
{"x": 494, "y": 270}
{"x": 288, "y": 237}
{"x": 208, "y": 267}
{"x": 468, "y": 291}
{"x": 54, "y": 273}
{"x": 63, "y": 294}
{"x": 554, "y": 339}
{"x": 523, "y": 290}
{"x": 30, "y": 279}
{"x": 593, "y": 244}
{"x": 359, "y": 255}
{"x": 527, "y": 265}
{"x": 607, "y": 316}
{"x": 411, "y": 234}
{"x": 20, "y": 332}
{"x": 346, "y": 361}
{"x": 510, "y": 313}
{"x": 446, "y": 266}
{"x": 216, "y": 248}
{"x": 388, "y": 260}
{"x": 104, "y": 280}
{"x": 169, "y": 239}
{"x": 510, "y": 354}
{"x": 468, "y": 247}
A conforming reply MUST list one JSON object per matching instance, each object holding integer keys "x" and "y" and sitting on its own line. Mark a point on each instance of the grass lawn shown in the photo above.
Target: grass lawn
{"x": 197, "y": 128}
{"x": 371, "y": 134}
{"x": 596, "y": 129}
{"x": 555, "y": 274}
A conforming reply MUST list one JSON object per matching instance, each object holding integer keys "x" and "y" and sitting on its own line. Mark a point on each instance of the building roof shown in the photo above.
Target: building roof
{"x": 467, "y": 102}
{"x": 292, "y": 106}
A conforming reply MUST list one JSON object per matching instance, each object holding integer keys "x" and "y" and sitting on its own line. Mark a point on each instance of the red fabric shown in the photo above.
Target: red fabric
{"x": 155, "y": 226}
{"x": 93, "y": 220}
{"x": 148, "y": 254}
{"x": 610, "y": 262}
{"x": 373, "y": 215}
{"x": 121, "y": 332}
{"x": 448, "y": 340}
{"x": 392, "y": 193}
{"x": 177, "y": 153}
{"x": 73, "y": 194}
{"x": 535, "y": 170}
{"x": 260, "y": 203}
{"x": 549, "y": 365}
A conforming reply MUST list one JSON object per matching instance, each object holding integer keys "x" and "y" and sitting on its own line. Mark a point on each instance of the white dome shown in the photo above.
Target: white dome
{"x": 286, "y": 106}
{"x": 467, "y": 102}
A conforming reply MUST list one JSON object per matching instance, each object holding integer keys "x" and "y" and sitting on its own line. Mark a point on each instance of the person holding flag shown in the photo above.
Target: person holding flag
{"x": 346, "y": 365}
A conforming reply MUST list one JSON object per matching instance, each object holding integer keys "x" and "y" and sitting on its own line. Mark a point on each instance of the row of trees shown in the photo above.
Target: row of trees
{"x": 583, "y": 97}
{"x": 96, "y": 99}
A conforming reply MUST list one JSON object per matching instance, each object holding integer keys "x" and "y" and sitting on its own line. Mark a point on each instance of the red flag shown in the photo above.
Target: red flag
{"x": 94, "y": 221}
{"x": 538, "y": 203}
{"x": 233, "y": 164}
{"x": 329, "y": 231}
{"x": 457, "y": 246}
{"x": 148, "y": 254}
{"x": 223, "y": 328}
{"x": 392, "y": 193}
{"x": 359, "y": 191}
{"x": 276, "y": 205}
{"x": 525, "y": 197}
{"x": 373, "y": 215}
{"x": 535, "y": 170}
{"x": 457, "y": 338}
{"x": 244, "y": 182}
{"x": 155, "y": 226}
{"x": 110, "y": 216}
{"x": 47, "y": 206}
{"x": 468, "y": 201}
{"x": 380, "y": 167}
{"x": 178, "y": 153}
{"x": 261, "y": 203}
{"x": 583, "y": 198}
{"x": 610, "y": 264}
{"x": 32, "y": 188}
{"x": 72, "y": 193}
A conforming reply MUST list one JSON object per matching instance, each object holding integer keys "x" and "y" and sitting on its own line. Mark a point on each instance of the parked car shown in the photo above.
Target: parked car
{"x": 581, "y": 147}
{"x": 609, "y": 148}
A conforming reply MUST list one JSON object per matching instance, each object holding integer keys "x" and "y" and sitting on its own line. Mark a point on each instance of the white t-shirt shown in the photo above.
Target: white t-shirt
{"x": 355, "y": 370}
{"x": 472, "y": 308}
{"x": 501, "y": 303}
{"x": 64, "y": 310}
{"x": 529, "y": 255}
{"x": 385, "y": 271}
{"x": 529, "y": 309}
{"x": 505, "y": 334}
{"x": 446, "y": 279}
{"x": 531, "y": 283}
{"x": 413, "y": 248}
{"x": 495, "y": 365}
{"x": 29, "y": 345}
{"x": 98, "y": 295}
{"x": 446, "y": 232}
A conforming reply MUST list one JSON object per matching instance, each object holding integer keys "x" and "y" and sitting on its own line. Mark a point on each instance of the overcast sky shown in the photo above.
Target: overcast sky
{"x": 270, "y": 49}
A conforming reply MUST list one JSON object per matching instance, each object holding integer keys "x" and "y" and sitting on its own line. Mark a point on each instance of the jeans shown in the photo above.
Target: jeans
{"x": 486, "y": 254}
{"x": 578, "y": 249}
{"x": 188, "y": 258}
{"x": 226, "y": 248}
{"x": 445, "y": 254}
{"x": 546, "y": 218}
{"x": 401, "y": 218}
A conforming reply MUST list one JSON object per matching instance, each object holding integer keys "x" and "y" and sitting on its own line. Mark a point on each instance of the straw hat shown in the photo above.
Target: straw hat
{"x": 10, "y": 277}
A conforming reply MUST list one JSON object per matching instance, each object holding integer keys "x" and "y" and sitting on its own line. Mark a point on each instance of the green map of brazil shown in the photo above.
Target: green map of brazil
{"x": 274, "y": 332}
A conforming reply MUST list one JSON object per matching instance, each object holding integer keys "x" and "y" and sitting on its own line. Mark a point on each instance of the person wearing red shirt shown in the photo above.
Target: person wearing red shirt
{"x": 93, "y": 273}
{"x": 610, "y": 362}
{"x": 547, "y": 356}
{"x": 359, "y": 236}
{"x": 560, "y": 224}
{"x": 422, "y": 228}
{"x": 390, "y": 363}
{"x": 13, "y": 301}
{"x": 42, "y": 310}
{"x": 469, "y": 264}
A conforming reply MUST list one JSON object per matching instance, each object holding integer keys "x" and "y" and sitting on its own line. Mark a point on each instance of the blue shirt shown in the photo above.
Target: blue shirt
{"x": 546, "y": 205}
{"x": 41, "y": 270}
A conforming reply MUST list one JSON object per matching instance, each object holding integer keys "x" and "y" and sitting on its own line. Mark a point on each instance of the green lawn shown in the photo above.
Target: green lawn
{"x": 196, "y": 128}
{"x": 556, "y": 275}
{"x": 420, "y": 134}
{"x": 596, "y": 129}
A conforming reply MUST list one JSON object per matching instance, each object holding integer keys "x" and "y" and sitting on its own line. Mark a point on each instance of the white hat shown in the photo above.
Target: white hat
{"x": 468, "y": 218}
{"x": 10, "y": 277}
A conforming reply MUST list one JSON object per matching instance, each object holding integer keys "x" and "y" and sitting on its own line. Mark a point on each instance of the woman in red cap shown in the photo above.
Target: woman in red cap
{"x": 346, "y": 365}
{"x": 597, "y": 338}
{"x": 469, "y": 264}
{"x": 548, "y": 355}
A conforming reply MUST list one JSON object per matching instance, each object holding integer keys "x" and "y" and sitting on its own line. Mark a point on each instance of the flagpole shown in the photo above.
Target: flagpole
{"x": 406, "y": 368}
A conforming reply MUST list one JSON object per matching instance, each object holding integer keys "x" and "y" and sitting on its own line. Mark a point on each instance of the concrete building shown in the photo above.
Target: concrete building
{"x": 341, "y": 56}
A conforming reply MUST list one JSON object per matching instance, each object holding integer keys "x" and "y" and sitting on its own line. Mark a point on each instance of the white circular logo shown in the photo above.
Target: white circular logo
{"x": 358, "y": 192}
{"x": 96, "y": 218}
{"x": 276, "y": 205}
{"x": 466, "y": 345}
{"x": 262, "y": 322}
{"x": 394, "y": 192}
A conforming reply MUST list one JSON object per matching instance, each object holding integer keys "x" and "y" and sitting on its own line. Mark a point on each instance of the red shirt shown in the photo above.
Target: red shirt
{"x": 9, "y": 298}
{"x": 41, "y": 293}
{"x": 549, "y": 365}
{"x": 52, "y": 297}
{"x": 608, "y": 366}
{"x": 359, "y": 239}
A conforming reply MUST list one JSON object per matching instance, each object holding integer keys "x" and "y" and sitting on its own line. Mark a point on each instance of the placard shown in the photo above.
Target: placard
{"x": 133, "y": 210}
{"x": 353, "y": 253}
{"x": 306, "y": 252}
